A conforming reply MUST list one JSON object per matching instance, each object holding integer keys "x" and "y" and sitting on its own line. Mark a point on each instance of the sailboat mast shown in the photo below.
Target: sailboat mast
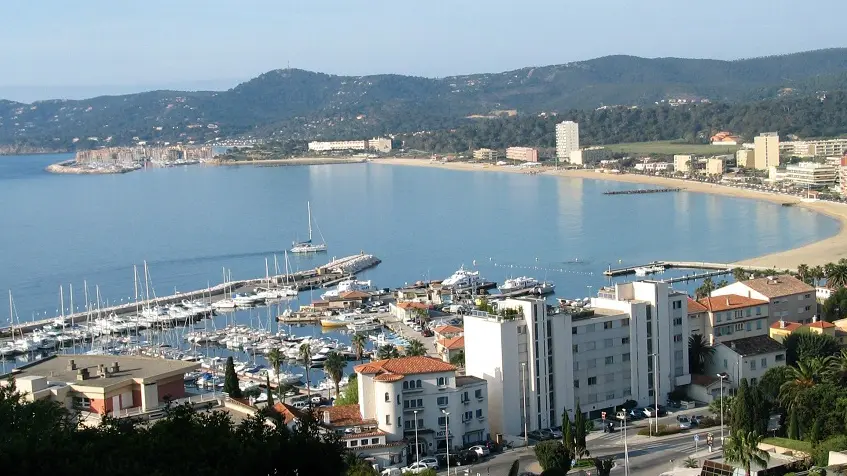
{"x": 267, "y": 274}
{"x": 11, "y": 315}
{"x": 62, "y": 302}
{"x": 71, "y": 291}
{"x": 309, "y": 208}
{"x": 146, "y": 283}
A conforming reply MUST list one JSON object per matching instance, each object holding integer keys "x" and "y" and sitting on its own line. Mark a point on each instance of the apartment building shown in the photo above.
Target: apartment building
{"x": 423, "y": 395}
{"x": 812, "y": 175}
{"x": 487, "y": 155}
{"x": 567, "y": 139}
{"x": 766, "y": 146}
{"x": 683, "y": 163}
{"x": 814, "y": 148}
{"x": 730, "y": 316}
{"x": 537, "y": 364}
{"x": 748, "y": 357}
{"x": 842, "y": 175}
{"x": 379, "y": 144}
{"x": 523, "y": 154}
{"x": 746, "y": 158}
{"x": 715, "y": 166}
{"x": 788, "y": 298}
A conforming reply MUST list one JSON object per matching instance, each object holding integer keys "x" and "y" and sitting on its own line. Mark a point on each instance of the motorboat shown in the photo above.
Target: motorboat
{"x": 308, "y": 246}
{"x": 516, "y": 284}
{"x": 348, "y": 285}
{"x": 246, "y": 300}
{"x": 462, "y": 278}
{"x": 365, "y": 325}
{"x": 645, "y": 270}
{"x": 224, "y": 304}
{"x": 338, "y": 321}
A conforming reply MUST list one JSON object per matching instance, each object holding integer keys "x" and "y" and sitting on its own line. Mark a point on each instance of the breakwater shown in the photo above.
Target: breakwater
{"x": 641, "y": 191}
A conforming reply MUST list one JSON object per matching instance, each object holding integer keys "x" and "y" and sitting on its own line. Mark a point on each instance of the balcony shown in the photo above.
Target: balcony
{"x": 413, "y": 409}
{"x": 466, "y": 401}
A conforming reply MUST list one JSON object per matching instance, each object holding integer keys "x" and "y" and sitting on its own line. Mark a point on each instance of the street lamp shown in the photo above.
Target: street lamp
{"x": 417, "y": 446}
{"x": 722, "y": 376}
{"x": 655, "y": 356}
{"x": 523, "y": 393}
{"x": 447, "y": 437}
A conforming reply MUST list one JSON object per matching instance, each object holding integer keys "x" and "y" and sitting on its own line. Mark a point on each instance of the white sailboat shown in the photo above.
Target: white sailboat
{"x": 308, "y": 246}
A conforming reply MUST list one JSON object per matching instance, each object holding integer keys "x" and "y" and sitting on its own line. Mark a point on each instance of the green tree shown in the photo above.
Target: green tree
{"x": 357, "y": 465}
{"x": 817, "y": 274}
{"x": 803, "y": 272}
{"x": 231, "y": 387}
{"x": 793, "y": 425}
{"x": 552, "y": 454}
{"x": 815, "y": 432}
{"x": 580, "y": 448}
{"x": 705, "y": 289}
{"x": 387, "y": 351}
{"x": 803, "y": 345}
{"x": 772, "y": 381}
{"x": 351, "y": 392}
{"x": 334, "y": 368}
{"x": 515, "y": 468}
{"x": 743, "y": 449}
{"x": 836, "y": 274}
{"x": 568, "y": 433}
{"x": 804, "y": 376}
{"x": 821, "y": 451}
{"x": 728, "y": 404}
{"x": 458, "y": 359}
{"x": 306, "y": 357}
{"x": 690, "y": 463}
{"x": 739, "y": 274}
{"x": 751, "y": 410}
{"x": 604, "y": 466}
{"x": 270, "y": 392}
{"x": 835, "y": 306}
{"x": 415, "y": 348}
{"x": 275, "y": 359}
{"x": 700, "y": 353}
{"x": 359, "y": 342}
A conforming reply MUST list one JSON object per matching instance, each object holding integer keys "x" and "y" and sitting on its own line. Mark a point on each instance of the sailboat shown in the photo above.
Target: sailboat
{"x": 308, "y": 246}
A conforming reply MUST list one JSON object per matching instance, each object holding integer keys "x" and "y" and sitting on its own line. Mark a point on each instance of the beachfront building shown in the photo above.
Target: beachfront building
{"x": 724, "y": 138}
{"x": 424, "y": 396}
{"x": 715, "y": 166}
{"x": 748, "y": 357}
{"x": 378, "y": 144}
{"x": 767, "y": 150}
{"x": 812, "y": 175}
{"x": 814, "y": 148}
{"x": 788, "y": 298}
{"x": 567, "y": 139}
{"x": 486, "y": 155}
{"x": 731, "y": 316}
{"x": 652, "y": 167}
{"x": 842, "y": 175}
{"x": 522, "y": 154}
{"x": 683, "y": 163}
{"x": 537, "y": 363}
{"x": 746, "y": 158}
{"x": 99, "y": 385}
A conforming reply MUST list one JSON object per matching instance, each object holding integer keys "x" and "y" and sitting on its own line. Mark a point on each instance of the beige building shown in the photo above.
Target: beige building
{"x": 748, "y": 357}
{"x": 577, "y": 158}
{"x": 486, "y": 155}
{"x": 732, "y": 316}
{"x": 715, "y": 166}
{"x": 812, "y": 175}
{"x": 814, "y": 148}
{"x": 767, "y": 150}
{"x": 746, "y": 158}
{"x": 567, "y": 139}
{"x": 523, "y": 154}
{"x": 789, "y": 298}
{"x": 380, "y": 144}
{"x": 326, "y": 146}
{"x": 683, "y": 163}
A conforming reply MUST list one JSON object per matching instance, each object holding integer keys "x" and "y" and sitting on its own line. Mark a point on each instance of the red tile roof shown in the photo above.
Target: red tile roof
{"x": 730, "y": 301}
{"x": 353, "y": 436}
{"x": 703, "y": 380}
{"x": 453, "y": 343}
{"x": 288, "y": 412}
{"x": 388, "y": 377}
{"x": 404, "y": 366}
{"x": 778, "y": 286}
{"x": 412, "y": 305}
{"x": 448, "y": 330}
{"x": 821, "y": 325}
{"x": 695, "y": 307}
{"x": 342, "y": 415}
{"x": 789, "y": 326}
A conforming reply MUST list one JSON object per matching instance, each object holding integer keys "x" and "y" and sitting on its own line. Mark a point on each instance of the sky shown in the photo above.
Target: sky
{"x": 62, "y": 49}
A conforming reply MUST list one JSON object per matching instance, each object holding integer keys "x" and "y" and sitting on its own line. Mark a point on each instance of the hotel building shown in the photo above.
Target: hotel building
{"x": 812, "y": 175}
{"x": 523, "y": 154}
{"x": 766, "y": 147}
{"x": 486, "y": 155}
{"x": 567, "y": 139}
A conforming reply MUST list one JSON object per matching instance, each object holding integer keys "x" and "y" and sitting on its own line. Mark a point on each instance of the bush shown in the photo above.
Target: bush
{"x": 663, "y": 430}
{"x": 709, "y": 422}
{"x": 821, "y": 452}
{"x": 552, "y": 454}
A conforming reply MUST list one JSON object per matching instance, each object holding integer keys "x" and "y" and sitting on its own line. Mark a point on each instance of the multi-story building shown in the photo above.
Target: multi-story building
{"x": 842, "y": 175}
{"x": 487, "y": 155}
{"x": 380, "y": 144}
{"x": 523, "y": 154}
{"x": 654, "y": 166}
{"x": 697, "y": 318}
{"x": 325, "y": 146}
{"x": 683, "y": 163}
{"x": 812, "y": 175}
{"x": 767, "y": 150}
{"x": 715, "y": 166}
{"x": 730, "y": 316}
{"x": 537, "y": 364}
{"x": 814, "y": 148}
{"x": 748, "y": 357}
{"x": 788, "y": 298}
{"x": 567, "y": 139}
{"x": 746, "y": 158}
{"x": 781, "y": 329}
{"x": 423, "y": 396}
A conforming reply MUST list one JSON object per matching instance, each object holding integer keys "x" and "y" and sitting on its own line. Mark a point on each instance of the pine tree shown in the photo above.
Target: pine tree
{"x": 742, "y": 411}
{"x": 567, "y": 433}
{"x": 793, "y": 426}
{"x": 231, "y": 387}
{"x": 270, "y": 393}
{"x": 580, "y": 449}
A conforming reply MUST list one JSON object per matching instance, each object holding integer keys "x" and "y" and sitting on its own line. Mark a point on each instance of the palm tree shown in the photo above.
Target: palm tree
{"x": 805, "y": 375}
{"x": 705, "y": 289}
{"x": 275, "y": 359}
{"x": 803, "y": 272}
{"x": 743, "y": 449}
{"x": 415, "y": 348}
{"x": 699, "y": 353}
{"x": 836, "y": 275}
{"x": 739, "y": 274}
{"x": 459, "y": 359}
{"x": 306, "y": 357}
{"x": 334, "y": 367}
{"x": 690, "y": 463}
{"x": 359, "y": 342}
{"x": 387, "y": 351}
{"x": 817, "y": 274}
{"x": 839, "y": 365}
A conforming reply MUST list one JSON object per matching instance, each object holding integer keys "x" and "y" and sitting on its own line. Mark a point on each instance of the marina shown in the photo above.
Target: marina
{"x": 660, "y": 266}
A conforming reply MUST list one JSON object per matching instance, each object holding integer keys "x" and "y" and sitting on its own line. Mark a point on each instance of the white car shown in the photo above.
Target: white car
{"x": 480, "y": 450}
{"x": 684, "y": 422}
{"x": 415, "y": 468}
{"x": 430, "y": 462}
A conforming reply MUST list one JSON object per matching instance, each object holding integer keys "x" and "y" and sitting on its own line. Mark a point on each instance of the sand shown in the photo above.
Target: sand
{"x": 818, "y": 253}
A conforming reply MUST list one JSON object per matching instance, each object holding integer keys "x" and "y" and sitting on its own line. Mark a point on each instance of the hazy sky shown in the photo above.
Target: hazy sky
{"x": 61, "y": 48}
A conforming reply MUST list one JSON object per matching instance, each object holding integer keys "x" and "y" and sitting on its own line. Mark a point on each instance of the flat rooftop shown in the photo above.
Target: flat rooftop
{"x": 599, "y": 313}
{"x": 149, "y": 369}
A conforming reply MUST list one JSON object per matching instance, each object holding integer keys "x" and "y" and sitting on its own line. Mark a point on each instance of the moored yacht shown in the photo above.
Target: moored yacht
{"x": 516, "y": 284}
{"x": 462, "y": 278}
{"x": 349, "y": 285}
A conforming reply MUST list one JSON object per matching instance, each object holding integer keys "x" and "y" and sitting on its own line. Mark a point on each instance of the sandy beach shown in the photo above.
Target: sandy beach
{"x": 292, "y": 161}
{"x": 818, "y": 253}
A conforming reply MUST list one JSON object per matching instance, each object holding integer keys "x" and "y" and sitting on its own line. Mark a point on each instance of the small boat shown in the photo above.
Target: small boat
{"x": 645, "y": 270}
{"x": 365, "y": 325}
{"x": 244, "y": 300}
{"x": 307, "y": 246}
{"x": 348, "y": 285}
{"x": 462, "y": 278}
{"x": 516, "y": 284}
{"x": 338, "y": 321}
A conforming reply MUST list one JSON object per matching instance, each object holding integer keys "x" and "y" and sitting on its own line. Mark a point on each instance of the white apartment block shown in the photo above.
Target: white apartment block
{"x": 567, "y": 139}
{"x": 654, "y": 166}
{"x": 683, "y": 163}
{"x": 487, "y": 155}
{"x": 814, "y": 148}
{"x": 379, "y": 144}
{"x": 766, "y": 146}
{"x": 746, "y": 158}
{"x": 410, "y": 395}
{"x": 523, "y": 154}
{"x": 788, "y": 298}
{"x": 539, "y": 364}
{"x": 812, "y": 175}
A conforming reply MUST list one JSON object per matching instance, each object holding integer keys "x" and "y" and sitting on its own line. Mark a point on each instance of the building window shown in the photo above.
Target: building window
{"x": 573, "y": 330}
{"x": 374, "y": 441}
{"x": 387, "y": 397}
{"x": 624, "y": 322}
{"x": 418, "y": 383}
{"x": 82, "y": 402}
{"x": 717, "y": 317}
{"x": 677, "y": 305}
{"x": 748, "y": 312}
{"x": 365, "y": 442}
{"x": 405, "y": 385}
{"x": 779, "y": 357}
{"x": 739, "y": 314}
{"x": 442, "y": 401}
{"x": 625, "y": 357}
{"x": 399, "y": 422}
{"x": 807, "y": 296}
{"x": 677, "y": 321}
{"x": 677, "y": 338}
{"x": 725, "y": 366}
{"x": 575, "y": 348}
{"x": 749, "y": 325}
{"x": 610, "y": 360}
{"x": 624, "y": 340}
{"x": 467, "y": 416}
{"x": 592, "y": 381}
{"x": 441, "y": 381}
{"x": 759, "y": 310}
{"x": 479, "y": 413}
{"x": 739, "y": 326}
{"x": 753, "y": 364}
{"x": 808, "y": 308}
{"x": 576, "y": 383}
{"x": 388, "y": 420}
{"x": 608, "y": 343}
{"x": 607, "y": 325}
{"x": 478, "y": 394}
{"x": 758, "y": 324}
{"x": 764, "y": 362}
{"x": 443, "y": 421}
{"x": 353, "y": 443}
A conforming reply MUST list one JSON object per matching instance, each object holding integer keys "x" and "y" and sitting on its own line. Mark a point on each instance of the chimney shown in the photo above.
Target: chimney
{"x": 101, "y": 371}
{"x": 782, "y": 323}
{"x": 81, "y": 374}
{"x": 326, "y": 418}
{"x": 727, "y": 300}
{"x": 732, "y": 345}
{"x": 815, "y": 318}
{"x": 115, "y": 367}
{"x": 71, "y": 364}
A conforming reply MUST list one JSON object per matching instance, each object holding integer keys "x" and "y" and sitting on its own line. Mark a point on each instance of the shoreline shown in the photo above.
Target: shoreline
{"x": 819, "y": 252}
{"x": 292, "y": 161}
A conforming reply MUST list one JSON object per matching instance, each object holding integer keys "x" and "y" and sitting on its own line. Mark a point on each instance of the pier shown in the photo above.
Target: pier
{"x": 713, "y": 269}
{"x": 640, "y": 191}
{"x": 322, "y": 276}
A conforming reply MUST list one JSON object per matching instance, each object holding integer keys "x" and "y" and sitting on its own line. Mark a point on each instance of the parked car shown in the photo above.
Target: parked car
{"x": 557, "y": 432}
{"x": 684, "y": 422}
{"x": 547, "y": 434}
{"x": 535, "y": 435}
{"x": 653, "y": 411}
{"x": 415, "y": 468}
{"x": 459, "y": 458}
{"x": 430, "y": 462}
{"x": 622, "y": 415}
{"x": 480, "y": 450}
{"x": 391, "y": 472}
{"x": 695, "y": 420}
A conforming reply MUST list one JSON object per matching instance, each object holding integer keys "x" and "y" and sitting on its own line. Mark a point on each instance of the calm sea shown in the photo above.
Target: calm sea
{"x": 190, "y": 222}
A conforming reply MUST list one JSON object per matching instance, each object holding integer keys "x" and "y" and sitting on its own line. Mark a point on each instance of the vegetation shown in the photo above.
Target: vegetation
{"x": 795, "y": 445}
{"x": 700, "y": 353}
{"x": 351, "y": 392}
{"x": 662, "y": 430}
{"x": 726, "y": 402}
{"x": 552, "y": 454}
{"x": 459, "y": 359}
{"x": 306, "y": 357}
{"x": 515, "y": 468}
{"x": 805, "y": 345}
{"x": 334, "y": 368}
{"x": 743, "y": 449}
{"x": 415, "y": 348}
{"x": 231, "y": 387}
{"x": 580, "y": 448}
{"x": 705, "y": 289}
{"x": 604, "y": 466}
{"x": 820, "y": 453}
{"x": 387, "y": 351}
{"x": 835, "y": 307}
{"x": 669, "y": 147}
{"x": 275, "y": 359}
{"x": 751, "y": 411}
{"x": 359, "y": 342}
{"x": 690, "y": 463}
{"x": 44, "y": 438}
